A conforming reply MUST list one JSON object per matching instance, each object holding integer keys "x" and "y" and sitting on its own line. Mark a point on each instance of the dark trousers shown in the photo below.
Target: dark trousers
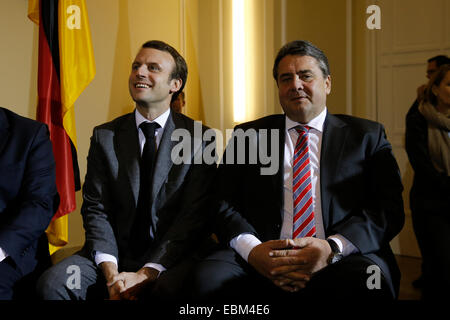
{"x": 9, "y": 276}
{"x": 418, "y": 217}
{"x": 437, "y": 268}
{"x": 224, "y": 276}
{"x": 57, "y": 283}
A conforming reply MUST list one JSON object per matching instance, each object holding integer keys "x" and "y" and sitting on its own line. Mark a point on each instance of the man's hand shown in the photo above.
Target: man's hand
{"x": 114, "y": 284}
{"x": 312, "y": 252}
{"x": 135, "y": 282}
{"x": 126, "y": 285}
{"x": 115, "y": 288}
{"x": 267, "y": 265}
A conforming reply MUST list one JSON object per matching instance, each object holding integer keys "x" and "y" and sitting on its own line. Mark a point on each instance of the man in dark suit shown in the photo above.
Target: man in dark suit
{"x": 143, "y": 211}
{"x": 321, "y": 225}
{"x": 28, "y": 195}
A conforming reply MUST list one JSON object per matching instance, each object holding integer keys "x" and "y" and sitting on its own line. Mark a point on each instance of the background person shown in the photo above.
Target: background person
{"x": 178, "y": 102}
{"x": 428, "y": 148}
{"x": 417, "y": 216}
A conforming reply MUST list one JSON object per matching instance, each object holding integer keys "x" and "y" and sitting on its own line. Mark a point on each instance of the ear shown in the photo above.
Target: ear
{"x": 175, "y": 85}
{"x": 328, "y": 84}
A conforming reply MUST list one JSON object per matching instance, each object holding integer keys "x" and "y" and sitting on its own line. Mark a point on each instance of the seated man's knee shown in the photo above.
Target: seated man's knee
{"x": 213, "y": 280}
{"x": 201, "y": 283}
{"x": 51, "y": 285}
{"x": 66, "y": 280}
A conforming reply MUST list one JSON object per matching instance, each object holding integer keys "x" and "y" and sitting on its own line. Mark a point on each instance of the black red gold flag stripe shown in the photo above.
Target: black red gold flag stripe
{"x": 65, "y": 67}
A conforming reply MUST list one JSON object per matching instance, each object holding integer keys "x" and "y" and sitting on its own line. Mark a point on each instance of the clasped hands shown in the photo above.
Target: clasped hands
{"x": 290, "y": 263}
{"x": 127, "y": 285}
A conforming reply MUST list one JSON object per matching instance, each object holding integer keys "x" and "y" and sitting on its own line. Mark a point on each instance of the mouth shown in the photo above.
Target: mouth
{"x": 141, "y": 85}
{"x": 299, "y": 98}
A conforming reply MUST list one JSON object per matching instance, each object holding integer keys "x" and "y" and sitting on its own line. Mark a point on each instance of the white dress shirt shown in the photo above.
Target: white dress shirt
{"x": 161, "y": 120}
{"x": 244, "y": 243}
{"x": 3, "y": 255}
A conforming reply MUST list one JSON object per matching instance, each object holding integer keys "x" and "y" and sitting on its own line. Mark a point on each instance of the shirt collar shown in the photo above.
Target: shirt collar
{"x": 161, "y": 120}
{"x": 316, "y": 123}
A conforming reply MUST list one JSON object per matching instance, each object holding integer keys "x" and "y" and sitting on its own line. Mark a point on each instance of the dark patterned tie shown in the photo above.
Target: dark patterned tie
{"x": 140, "y": 234}
{"x": 149, "y": 151}
{"x": 303, "y": 222}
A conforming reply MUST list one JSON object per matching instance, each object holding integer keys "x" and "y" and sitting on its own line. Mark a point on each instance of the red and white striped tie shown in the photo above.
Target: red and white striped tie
{"x": 303, "y": 221}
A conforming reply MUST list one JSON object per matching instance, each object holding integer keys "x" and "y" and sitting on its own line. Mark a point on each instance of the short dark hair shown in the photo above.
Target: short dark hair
{"x": 180, "y": 71}
{"x": 440, "y": 60}
{"x": 302, "y": 48}
{"x": 435, "y": 80}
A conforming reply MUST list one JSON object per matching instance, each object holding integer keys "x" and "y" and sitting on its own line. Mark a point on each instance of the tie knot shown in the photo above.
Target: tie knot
{"x": 149, "y": 128}
{"x": 302, "y": 129}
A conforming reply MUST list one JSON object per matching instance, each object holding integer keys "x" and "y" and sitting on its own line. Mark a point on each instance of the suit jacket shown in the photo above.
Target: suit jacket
{"x": 28, "y": 195}
{"x": 359, "y": 182}
{"x": 179, "y": 198}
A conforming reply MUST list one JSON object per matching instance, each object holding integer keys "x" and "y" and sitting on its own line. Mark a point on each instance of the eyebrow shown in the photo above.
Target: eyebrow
{"x": 301, "y": 72}
{"x": 144, "y": 63}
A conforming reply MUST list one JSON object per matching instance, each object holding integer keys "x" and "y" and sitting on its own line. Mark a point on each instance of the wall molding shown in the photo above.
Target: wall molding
{"x": 283, "y": 22}
{"x": 221, "y": 69}
{"x": 371, "y": 72}
{"x": 349, "y": 58}
{"x": 183, "y": 27}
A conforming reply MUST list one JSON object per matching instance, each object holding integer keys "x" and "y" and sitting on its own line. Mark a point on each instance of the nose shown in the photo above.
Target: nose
{"x": 298, "y": 83}
{"x": 140, "y": 72}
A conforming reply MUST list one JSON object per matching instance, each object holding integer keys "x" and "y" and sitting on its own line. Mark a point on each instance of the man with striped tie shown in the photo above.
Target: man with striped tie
{"x": 321, "y": 225}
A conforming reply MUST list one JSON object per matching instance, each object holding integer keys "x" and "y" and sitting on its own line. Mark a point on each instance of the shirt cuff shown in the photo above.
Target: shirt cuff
{"x": 3, "y": 255}
{"x": 100, "y": 257}
{"x": 244, "y": 243}
{"x": 156, "y": 266}
{"x": 347, "y": 248}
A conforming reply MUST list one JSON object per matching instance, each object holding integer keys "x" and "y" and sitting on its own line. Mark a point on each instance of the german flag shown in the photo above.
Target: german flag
{"x": 66, "y": 66}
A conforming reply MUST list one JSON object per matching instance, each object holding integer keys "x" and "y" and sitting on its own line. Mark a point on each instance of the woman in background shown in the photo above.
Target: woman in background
{"x": 428, "y": 148}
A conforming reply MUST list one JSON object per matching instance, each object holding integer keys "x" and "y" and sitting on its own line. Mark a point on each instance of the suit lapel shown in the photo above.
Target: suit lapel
{"x": 278, "y": 178}
{"x": 4, "y": 130}
{"x": 333, "y": 141}
{"x": 163, "y": 158}
{"x": 129, "y": 153}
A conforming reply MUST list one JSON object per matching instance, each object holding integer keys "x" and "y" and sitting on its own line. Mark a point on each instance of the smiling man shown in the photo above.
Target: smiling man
{"x": 144, "y": 216}
{"x": 320, "y": 227}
